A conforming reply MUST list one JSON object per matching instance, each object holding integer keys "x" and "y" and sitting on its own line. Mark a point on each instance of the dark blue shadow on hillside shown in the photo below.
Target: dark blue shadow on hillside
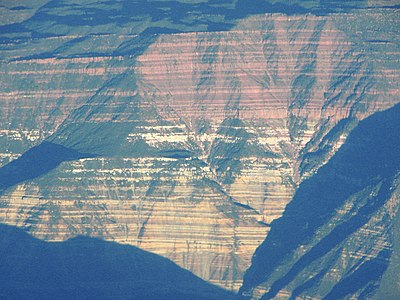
{"x": 89, "y": 268}
{"x": 308, "y": 284}
{"x": 120, "y": 13}
{"x": 371, "y": 155}
{"x": 35, "y": 162}
{"x": 338, "y": 235}
{"x": 368, "y": 273}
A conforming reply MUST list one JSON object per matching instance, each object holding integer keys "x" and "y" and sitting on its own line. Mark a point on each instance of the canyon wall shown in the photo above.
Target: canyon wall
{"x": 188, "y": 145}
{"x": 335, "y": 239}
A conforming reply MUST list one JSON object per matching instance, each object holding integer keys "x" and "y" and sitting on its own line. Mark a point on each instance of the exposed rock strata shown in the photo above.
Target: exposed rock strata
{"x": 201, "y": 141}
{"x": 344, "y": 216}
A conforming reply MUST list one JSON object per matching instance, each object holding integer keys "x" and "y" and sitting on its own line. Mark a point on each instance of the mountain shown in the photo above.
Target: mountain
{"x": 337, "y": 235}
{"x": 196, "y": 130}
{"x": 88, "y": 268}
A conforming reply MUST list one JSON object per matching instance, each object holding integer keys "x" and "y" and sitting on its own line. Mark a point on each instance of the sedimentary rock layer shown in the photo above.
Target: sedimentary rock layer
{"x": 337, "y": 236}
{"x": 197, "y": 144}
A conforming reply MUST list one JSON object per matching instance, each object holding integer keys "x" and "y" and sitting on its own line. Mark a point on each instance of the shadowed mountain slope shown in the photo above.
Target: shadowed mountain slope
{"x": 352, "y": 193}
{"x": 55, "y": 17}
{"x": 35, "y": 162}
{"x": 177, "y": 126}
{"x": 87, "y": 268}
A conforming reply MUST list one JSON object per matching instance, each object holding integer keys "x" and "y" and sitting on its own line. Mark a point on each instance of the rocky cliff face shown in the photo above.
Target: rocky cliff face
{"x": 190, "y": 144}
{"x": 344, "y": 219}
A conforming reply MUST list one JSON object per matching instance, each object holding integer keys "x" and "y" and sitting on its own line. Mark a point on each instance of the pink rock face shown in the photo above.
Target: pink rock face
{"x": 252, "y": 107}
{"x": 254, "y": 71}
{"x": 270, "y": 71}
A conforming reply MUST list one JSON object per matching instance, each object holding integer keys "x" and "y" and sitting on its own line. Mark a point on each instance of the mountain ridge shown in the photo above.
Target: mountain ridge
{"x": 198, "y": 140}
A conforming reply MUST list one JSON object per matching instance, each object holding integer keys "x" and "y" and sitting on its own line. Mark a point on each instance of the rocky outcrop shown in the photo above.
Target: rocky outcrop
{"x": 190, "y": 144}
{"x": 336, "y": 237}
{"x": 38, "y": 94}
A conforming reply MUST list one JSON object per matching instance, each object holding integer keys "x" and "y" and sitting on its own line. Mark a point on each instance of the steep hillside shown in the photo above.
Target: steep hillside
{"x": 185, "y": 136}
{"x": 336, "y": 236}
{"x": 87, "y": 268}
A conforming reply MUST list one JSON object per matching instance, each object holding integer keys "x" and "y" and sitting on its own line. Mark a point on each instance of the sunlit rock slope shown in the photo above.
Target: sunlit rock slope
{"x": 185, "y": 129}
